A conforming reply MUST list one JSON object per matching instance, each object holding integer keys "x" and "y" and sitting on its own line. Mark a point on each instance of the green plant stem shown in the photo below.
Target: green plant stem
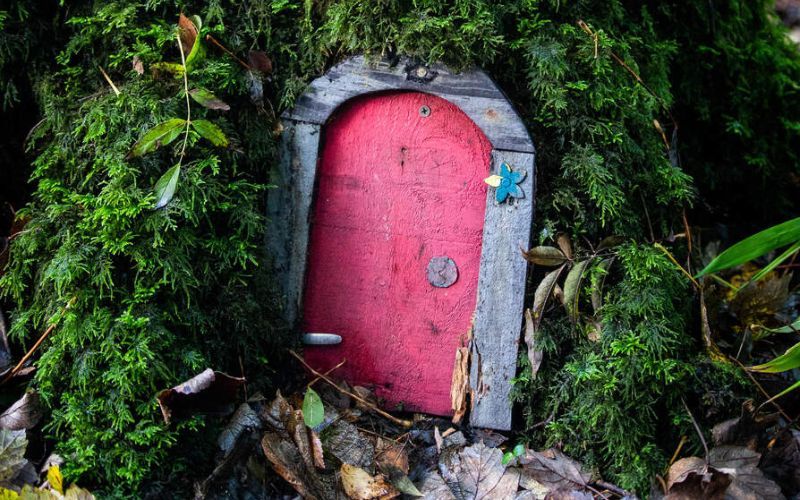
{"x": 188, "y": 103}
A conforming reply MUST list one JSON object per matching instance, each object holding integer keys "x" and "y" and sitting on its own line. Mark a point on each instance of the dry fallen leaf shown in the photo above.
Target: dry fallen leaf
{"x": 287, "y": 462}
{"x": 554, "y": 470}
{"x": 12, "y": 453}
{"x": 316, "y": 449}
{"x": 690, "y": 478}
{"x": 24, "y": 414}
{"x": 208, "y": 392}
{"x": 742, "y": 465}
{"x": 358, "y": 484}
{"x": 391, "y": 456}
{"x": 344, "y": 441}
{"x": 244, "y": 419}
{"x": 744, "y": 430}
{"x": 433, "y": 487}
{"x": 732, "y": 472}
{"x": 477, "y": 472}
{"x": 781, "y": 461}
{"x": 260, "y": 61}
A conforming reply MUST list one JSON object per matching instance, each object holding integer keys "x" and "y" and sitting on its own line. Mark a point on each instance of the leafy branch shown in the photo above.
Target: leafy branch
{"x": 167, "y": 131}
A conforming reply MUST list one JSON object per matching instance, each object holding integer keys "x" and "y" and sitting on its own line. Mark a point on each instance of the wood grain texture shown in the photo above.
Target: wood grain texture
{"x": 501, "y": 295}
{"x": 472, "y": 91}
{"x": 289, "y": 209}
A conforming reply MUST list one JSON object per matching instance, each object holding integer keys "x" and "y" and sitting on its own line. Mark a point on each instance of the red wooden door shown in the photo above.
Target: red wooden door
{"x": 399, "y": 182}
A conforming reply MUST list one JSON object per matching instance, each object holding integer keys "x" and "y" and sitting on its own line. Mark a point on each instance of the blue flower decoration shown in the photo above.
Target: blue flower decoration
{"x": 509, "y": 181}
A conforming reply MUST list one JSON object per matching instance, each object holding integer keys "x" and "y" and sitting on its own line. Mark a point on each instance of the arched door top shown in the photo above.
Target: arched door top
{"x": 472, "y": 91}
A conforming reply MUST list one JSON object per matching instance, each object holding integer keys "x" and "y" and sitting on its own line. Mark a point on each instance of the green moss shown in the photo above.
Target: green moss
{"x": 161, "y": 294}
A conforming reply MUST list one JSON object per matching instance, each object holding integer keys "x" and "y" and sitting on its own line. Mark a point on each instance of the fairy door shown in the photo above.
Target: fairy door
{"x": 395, "y": 244}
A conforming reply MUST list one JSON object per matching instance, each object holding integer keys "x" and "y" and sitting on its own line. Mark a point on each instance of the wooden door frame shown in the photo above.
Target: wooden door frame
{"x": 497, "y": 321}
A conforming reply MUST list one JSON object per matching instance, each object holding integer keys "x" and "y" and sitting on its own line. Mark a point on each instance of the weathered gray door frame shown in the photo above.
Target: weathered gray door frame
{"x": 501, "y": 283}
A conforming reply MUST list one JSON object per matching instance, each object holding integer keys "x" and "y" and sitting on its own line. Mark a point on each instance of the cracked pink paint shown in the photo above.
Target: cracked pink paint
{"x": 395, "y": 189}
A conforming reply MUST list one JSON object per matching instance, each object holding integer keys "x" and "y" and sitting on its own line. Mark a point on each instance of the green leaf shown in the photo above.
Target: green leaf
{"x": 784, "y": 392}
{"x": 790, "y": 328}
{"x": 755, "y": 246}
{"x": 507, "y": 457}
{"x": 785, "y": 362}
{"x": 160, "y": 135}
{"x": 519, "y": 450}
{"x": 775, "y": 263}
{"x": 207, "y": 99}
{"x": 572, "y": 285}
{"x": 197, "y": 53}
{"x": 211, "y": 132}
{"x": 165, "y": 187}
{"x": 545, "y": 256}
{"x": 313, "y": 411}
{"x": 404, "y": 485}
{"x": 190, "y": 37}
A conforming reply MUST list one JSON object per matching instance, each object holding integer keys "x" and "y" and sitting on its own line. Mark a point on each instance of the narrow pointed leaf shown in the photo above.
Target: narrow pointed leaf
{"x": 165, "y": 187}
{"x": 790, "y": 328}
{"x": 543, "y": 293}
{"x": 313, "y": 411}
{"x": 755, "y": 246}
{"x": 572, "y": 286}
{"x": 404, "y": 485}
{"x": 610, "y": 242}
{"x": 565, "y": 245}
{"x": 535, "y": 355}
{"x": 784, "y": 392}
{"x": 785, "y": 362}
{"x": 208, "y": 100}
{"x": 211, "y": 132}
{"x": 545, "y": 256}
{"x": 775, "y": 263}
{"x": 160, "y": 135}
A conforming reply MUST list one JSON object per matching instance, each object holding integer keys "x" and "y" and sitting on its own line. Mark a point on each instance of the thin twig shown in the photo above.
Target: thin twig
{"x": 612, "y": 488}
{"x": 684, "y": 271}
{"x": 404, "y": 423}
{"x": 697, "y": 428}
{"x": 108, "y": 79}
{"x": 678, "y": 450}
{"x": 188, "y": 103}
{"x": 378, "y": 435}
{"x": 688, "y": 230}
{"x": 42, "y": 338}
{"x": 585, "y": 27}
{"x": 221, "y": 47}
{"x": 763, "y": 391}
{"x": 326, "y": 373}
{"x": 647, "y": 216}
